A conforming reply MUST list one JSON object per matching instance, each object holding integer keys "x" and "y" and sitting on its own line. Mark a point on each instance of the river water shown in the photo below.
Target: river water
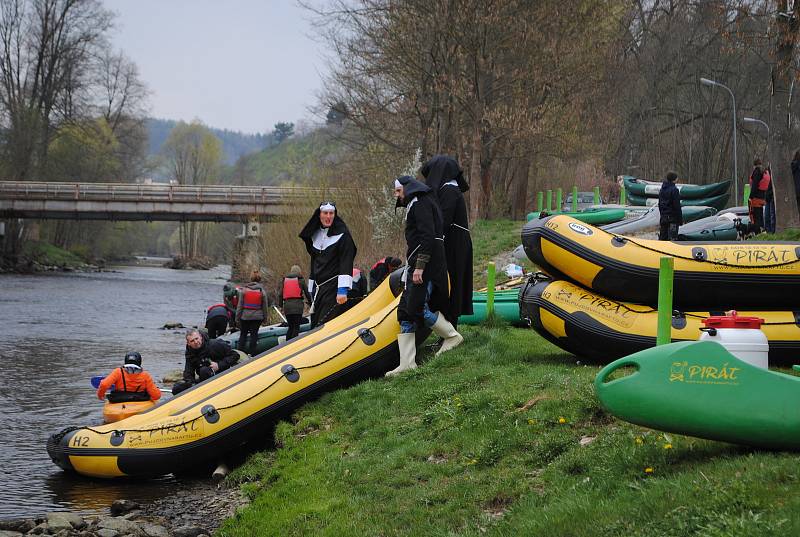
{"x": 60, "y": 329}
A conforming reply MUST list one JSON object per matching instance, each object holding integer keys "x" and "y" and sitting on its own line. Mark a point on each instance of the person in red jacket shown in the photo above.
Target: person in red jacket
{"x": 131, "y": 382}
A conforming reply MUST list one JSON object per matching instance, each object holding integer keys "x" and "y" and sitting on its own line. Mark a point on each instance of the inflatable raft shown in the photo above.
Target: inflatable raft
{"x": 590, "y": 216}
{"x": 700, "y": 389}
{"x": 203, "y": 423}
{"x": 717, "y": 275}
{"x": 718, "y": 202}
{"x": 639, "y": 187}
{"x": 600, "y": 329}
{"x": 649, "y": 219}
{"x": 268, "y": 336}
{"x": 113, "y": 412}
{"x": 506, "y": 307}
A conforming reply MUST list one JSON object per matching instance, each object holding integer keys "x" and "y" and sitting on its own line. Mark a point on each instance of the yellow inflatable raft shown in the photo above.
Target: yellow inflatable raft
{"x": 202, "y": 424}
{"x": 600, "y": 329}
{"x": 715, "y": 275}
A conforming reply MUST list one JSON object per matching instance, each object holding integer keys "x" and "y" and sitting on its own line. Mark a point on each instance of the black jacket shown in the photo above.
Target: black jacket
{"x": 796, "y": 176}
{"x": 669, "y": 204}
{"x": 425, "y": 245}
{"x": 440, "y": 173}
{"x": 215, "y": 350}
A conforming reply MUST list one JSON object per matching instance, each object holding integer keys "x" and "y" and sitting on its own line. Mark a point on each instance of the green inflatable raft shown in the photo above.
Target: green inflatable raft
{"x": 698, "y": 388}
{"x": 595, "y": 217}
{"x": 268, "y": 336}
{"x": 639, "y": 187}
{"x": 506, "y": 307}
{"x": 718, "y": 202}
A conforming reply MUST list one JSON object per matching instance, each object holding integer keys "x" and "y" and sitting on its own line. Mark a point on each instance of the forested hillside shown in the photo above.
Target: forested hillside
{"x": 235, "y": 144}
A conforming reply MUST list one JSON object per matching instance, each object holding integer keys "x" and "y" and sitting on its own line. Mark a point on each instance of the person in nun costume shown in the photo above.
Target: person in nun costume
{"x": 425, "y": 298}
{"x": 444, "y": 177}
{"x": 332, "y": 251}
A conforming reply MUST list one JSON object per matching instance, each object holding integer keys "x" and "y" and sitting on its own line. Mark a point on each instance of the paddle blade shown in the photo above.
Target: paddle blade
{"x": 97, "y": 379}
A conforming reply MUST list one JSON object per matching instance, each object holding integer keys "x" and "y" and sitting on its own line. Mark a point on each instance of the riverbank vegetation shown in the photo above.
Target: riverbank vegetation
{"x": 503, "y": 436}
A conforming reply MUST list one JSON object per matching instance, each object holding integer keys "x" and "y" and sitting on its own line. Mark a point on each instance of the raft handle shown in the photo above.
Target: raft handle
{"x": 602, "y": 377}
{"x": 367, "y": 336}
{"x": 711, "y": 330}
{"x": 290, "y": 372}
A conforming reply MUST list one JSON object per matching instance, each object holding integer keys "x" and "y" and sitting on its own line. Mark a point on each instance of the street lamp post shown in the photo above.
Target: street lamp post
{"x": 708, "y": 82}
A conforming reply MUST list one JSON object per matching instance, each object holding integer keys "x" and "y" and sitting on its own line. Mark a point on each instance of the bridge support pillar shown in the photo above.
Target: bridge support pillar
{"x": 246, "y": 252}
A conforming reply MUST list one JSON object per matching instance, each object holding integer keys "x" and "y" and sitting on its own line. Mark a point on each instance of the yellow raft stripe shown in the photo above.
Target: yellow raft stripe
{"x": 749, "y": 257}
{"x": 552, "y": 323}
{"x": 643, "y": 321}
{"x": 579, "y": 268}
{"x": 96, "y": 466}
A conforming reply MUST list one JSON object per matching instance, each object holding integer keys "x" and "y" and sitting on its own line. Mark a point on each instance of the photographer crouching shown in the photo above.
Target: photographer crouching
{"x": 204, "y": 359}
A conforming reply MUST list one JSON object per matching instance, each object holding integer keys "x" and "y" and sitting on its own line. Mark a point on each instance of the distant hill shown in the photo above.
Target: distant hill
{"x": 234, "y": 144}
{"x": 292, "y": 160}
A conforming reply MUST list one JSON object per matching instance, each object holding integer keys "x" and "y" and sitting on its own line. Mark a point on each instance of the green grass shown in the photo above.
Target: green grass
{"x": 46, "y": 254}
{"x": 486, "y": 440}
{"x": 488, "y": 238}
{"x": 786, "y": 235}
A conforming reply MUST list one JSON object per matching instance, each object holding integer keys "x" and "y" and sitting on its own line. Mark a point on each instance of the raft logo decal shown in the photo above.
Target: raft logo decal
{"x": 609, "y": 310}
{"x": 166, "y": 433}
{"x": 579, "y": 228}
{"x": 704, "y": 374}
{"x": 753, "y": 257}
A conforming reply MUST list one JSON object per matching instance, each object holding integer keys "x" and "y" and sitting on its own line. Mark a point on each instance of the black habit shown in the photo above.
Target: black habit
{"x": 444, "y": 177}
{"x": 332, "y": 252}
{"x": 425, "y": 250}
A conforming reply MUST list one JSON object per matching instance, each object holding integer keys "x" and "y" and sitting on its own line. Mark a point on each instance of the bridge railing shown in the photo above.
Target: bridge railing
{"x": 152, "y": 192}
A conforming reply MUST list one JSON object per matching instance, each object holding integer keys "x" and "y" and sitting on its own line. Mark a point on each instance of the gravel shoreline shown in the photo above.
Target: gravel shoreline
{"x": 181, "y": 515}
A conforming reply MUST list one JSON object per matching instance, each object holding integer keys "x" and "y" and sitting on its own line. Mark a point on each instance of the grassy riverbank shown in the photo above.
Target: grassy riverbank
{"x": 503, "y": 436}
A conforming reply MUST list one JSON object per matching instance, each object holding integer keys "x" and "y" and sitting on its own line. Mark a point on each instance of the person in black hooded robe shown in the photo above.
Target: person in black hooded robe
{"x": 445, "y": 178}
{"x": 332, "y": 251}
{"x": 425, "y": 299}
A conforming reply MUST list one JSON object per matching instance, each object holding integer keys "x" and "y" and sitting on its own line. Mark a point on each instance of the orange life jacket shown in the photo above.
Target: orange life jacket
{"x": 763, "y": 184}
{"x": 252, "y": 299}
{"x": 291, "y": 288}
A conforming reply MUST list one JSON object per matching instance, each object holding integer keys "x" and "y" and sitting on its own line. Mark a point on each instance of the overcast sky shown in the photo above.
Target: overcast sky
{"x": 237, "y": 64}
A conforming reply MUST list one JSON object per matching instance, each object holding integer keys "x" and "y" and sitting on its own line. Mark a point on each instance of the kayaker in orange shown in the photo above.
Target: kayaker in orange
{"x": 131, "y": 382}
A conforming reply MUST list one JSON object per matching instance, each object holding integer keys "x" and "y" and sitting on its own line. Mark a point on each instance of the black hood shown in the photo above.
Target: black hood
{"x": 411, "y": 189}
{"x": 442, "y": 169}
{"x": 338, "y": 226}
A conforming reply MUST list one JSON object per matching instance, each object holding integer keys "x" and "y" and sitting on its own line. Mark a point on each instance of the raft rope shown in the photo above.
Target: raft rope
{"x": 270, "y": 385}
{"x": 623, "y": 238}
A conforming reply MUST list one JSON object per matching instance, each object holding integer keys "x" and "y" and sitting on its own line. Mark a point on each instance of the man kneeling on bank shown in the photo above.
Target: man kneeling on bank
{"x": 204, "y": 359}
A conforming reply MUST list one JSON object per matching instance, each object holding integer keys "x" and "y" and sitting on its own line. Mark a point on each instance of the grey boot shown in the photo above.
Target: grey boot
{"x": 408, "y": 353}
{"x": 444, "y": 329}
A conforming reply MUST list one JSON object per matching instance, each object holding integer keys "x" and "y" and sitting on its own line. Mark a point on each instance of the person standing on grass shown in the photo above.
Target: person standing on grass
{"x": 796, "y": 177}
{"x": 669, "y": 208}
{"x": 332, "y": 251}
{"x": 425, "y": 300}
{"x": 758, "y": 197}
{"x": 446, "y": 180}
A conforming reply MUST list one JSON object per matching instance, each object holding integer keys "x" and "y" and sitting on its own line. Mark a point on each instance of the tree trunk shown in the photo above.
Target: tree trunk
{"x": 785, "y": 201}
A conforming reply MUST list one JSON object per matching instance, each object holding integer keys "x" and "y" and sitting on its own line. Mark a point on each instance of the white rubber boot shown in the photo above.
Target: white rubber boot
{"x": 408, "y": 353}
{"x": 444, "y": 329}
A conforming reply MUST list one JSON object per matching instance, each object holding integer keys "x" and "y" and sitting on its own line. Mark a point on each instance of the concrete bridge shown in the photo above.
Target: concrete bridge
{"x": 148, "y": 202}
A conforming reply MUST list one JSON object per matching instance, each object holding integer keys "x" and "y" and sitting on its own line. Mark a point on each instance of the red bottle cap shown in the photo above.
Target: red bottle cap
{"x": 732, "y": 320}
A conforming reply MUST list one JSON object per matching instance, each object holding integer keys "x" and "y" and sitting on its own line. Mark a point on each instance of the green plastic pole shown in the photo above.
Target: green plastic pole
{"x": 665, "y": 274}
{"x": 746, "y": 194}
{"x": 559, "y": 195}
{"x": 596, "y": 195}
{"x": 574, "y": 199}
{"x": 549, "y": 201}
{"x": 622, "y": 196}
{"x": 490, "y": 290}
{"x": 539, "y": 201}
